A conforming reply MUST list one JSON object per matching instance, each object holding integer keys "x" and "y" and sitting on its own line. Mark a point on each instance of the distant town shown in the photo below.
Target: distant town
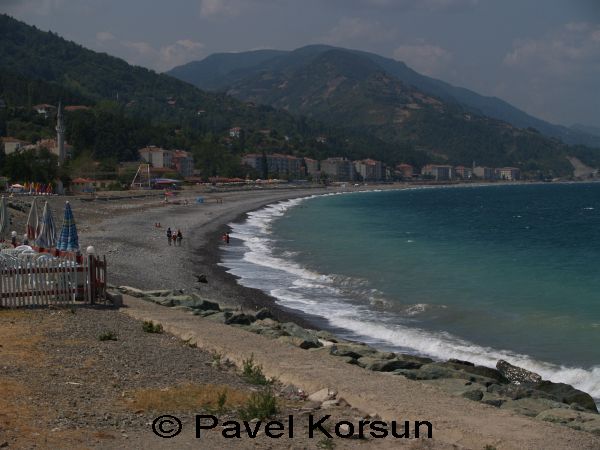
{"x": 159, "y": 167}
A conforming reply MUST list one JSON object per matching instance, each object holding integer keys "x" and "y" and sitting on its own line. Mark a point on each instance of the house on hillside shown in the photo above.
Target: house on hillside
{"x": 12, "y": 144}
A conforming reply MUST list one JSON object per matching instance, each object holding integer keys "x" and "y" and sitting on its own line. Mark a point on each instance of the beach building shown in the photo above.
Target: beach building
{"x": 184, "y": 162}
{"x": 338, "y": 169}
{"x": 508, "y": 173}
{"x": 312, "y": 167}
{"x": 466, "y": 173}
{"x": 235, "y": 132}
{"x": 11, "y": 144}
{"x": 438, "y": 172}
{"x": 156, "y": 156}
{"x": 369, "y": 169}
{"x": 485, "y": 173}
{"x": 405, "y": 171}
{"x": 277, "y": 165}
{"x": 79, "y": 185}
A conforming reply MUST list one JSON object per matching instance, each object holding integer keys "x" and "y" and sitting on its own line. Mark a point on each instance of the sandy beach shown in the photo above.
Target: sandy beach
{"x": 138, "y": 255}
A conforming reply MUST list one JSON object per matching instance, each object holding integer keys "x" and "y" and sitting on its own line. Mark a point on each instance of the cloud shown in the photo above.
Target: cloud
{"x": 39, "y": 7}
{"x": 425, "y": 58}
{"x": 213, "y": 8}
{"x": 569, "y": 53}
{"x": 431, "y": 5}
{"x": 352, "y": 29}
{"x": 142, "y": 53}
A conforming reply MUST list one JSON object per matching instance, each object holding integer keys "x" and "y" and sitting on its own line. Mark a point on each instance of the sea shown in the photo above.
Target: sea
{"x": 477, "y": 273}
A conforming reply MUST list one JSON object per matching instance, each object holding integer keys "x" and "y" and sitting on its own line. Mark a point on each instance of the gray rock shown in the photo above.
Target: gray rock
{"x": 566, "y": 393}
{"x": 327, "y": 336}
{"x": 354, "y": 350}
{"x": 297, "y": 331}
{"x": 386, "y": 365}
{"x": 115, "y": 298}
{"x": 263, "y": 313}
{"x": 517, "y": 375}
{"x": 434, "y": 371}
{"x": 322, "y": 395}
{"x": 531, "y": 406}
{"x": 300, "y": 342}
{"x": 475, "y": 395}
{"x": 240, "y": 319}
{"x": 197, "y": 302}
{"x": 471, "y": 368}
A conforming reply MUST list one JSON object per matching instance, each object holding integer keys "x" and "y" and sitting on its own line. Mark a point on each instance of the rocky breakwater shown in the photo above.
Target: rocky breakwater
{"x": 506, "y": 386}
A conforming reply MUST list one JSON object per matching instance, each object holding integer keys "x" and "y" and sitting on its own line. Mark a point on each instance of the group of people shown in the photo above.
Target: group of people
{"x": 174, "y": 238}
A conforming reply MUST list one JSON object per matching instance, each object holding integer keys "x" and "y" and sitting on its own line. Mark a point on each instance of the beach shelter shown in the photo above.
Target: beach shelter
{"x": 33, "y": 223}
{"x": 68, "y": 240}
{"x": 4, "y": 219}
{"x": 46, "y": 237}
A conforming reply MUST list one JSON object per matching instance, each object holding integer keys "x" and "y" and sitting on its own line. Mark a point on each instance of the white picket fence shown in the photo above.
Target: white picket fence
{"x": 28, "y": 278}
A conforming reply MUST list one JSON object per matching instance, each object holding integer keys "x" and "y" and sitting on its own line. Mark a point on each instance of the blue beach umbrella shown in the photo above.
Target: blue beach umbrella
{"x": 4, "y": 219}
{"x": 47, "y": 236}
{"x": 68, "y": 240}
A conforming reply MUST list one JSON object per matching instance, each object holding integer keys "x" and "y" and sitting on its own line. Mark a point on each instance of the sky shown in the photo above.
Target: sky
{"x": 542, "y": 56}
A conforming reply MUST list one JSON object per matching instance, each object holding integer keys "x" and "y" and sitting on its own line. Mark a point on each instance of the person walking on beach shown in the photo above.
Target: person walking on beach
{"x": 169, "y": 234}
{"x": 179, "y": 237}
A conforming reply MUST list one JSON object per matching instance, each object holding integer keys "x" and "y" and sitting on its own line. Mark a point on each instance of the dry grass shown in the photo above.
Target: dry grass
{"x": 187, "y": 397}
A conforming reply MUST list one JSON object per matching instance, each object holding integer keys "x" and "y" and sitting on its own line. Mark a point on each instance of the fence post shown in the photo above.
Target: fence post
{"x": 91, "y": 252}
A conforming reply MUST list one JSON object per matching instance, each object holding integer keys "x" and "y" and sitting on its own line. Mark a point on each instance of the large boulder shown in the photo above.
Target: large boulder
{"x": 357, "y": 350}
{"x": 240, "y": 319}
{"x": 517, "y": 375}
{"x": 436, "y": 371}
{"x": 471, "y": 368}
{"x": 263, "y": 313}
{"x": 531, "y": 406}
{"x": 220, "y": 316}
{"x": 297, "y": 331}
{"x": 386, "y": 365}
{"x": 566, "y": 393}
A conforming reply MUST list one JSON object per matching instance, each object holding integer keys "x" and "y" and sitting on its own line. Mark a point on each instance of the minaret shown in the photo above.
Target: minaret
{"x": 60, "y": 135}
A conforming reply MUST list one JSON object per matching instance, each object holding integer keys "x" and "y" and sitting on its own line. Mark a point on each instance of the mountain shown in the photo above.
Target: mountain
{"x": 354, "y": 90}
{"x": 133, "y": 106}
{"x": 207, "y": 74}
{"x": 589, "y": 129}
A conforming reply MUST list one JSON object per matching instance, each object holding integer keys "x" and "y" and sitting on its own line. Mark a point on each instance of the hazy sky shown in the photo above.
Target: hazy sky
{"x": 541, "y": 55}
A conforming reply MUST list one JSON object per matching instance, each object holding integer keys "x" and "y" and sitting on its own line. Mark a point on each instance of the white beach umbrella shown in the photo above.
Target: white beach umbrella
{"x": 47, "y": 236}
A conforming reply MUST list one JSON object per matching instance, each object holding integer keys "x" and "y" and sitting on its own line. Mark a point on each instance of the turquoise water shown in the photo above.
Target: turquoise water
{"x": 477, "y": 273}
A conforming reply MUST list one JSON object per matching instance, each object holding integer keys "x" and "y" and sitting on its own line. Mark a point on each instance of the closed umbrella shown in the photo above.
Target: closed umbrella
{"x": 33, "y": 223}
{"x": 4, "y": 219}
{"x": 68, "y": 240}
{"x": 47, "y": 236}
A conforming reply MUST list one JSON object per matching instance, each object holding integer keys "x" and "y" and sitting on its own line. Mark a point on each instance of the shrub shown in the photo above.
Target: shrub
{"x": 150, "y": 327}
{"x": 108, "y": 336}
{"x": 260, "y": 405}
{"x": 253, "y": 373}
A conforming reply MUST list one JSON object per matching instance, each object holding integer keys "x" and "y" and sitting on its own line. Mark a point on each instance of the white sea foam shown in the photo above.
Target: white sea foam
{"x": 334, "y": 298}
